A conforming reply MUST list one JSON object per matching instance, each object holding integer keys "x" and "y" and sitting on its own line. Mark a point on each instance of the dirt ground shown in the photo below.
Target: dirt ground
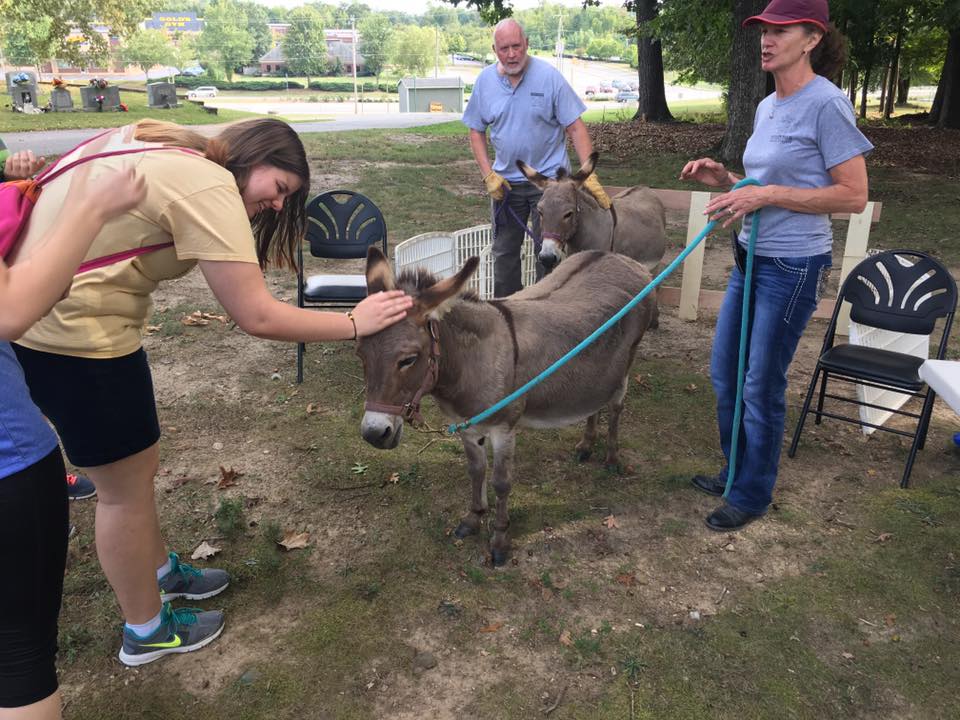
{"x": 669, "y": 570}
{"x": 385, "y": 616}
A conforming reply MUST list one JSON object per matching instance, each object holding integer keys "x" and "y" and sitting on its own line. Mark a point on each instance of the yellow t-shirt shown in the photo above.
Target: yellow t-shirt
{"x": 190, "y": 200}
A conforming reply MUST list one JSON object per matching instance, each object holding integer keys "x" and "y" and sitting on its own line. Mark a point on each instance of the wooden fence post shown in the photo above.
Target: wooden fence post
{"x": 693, "y": 265}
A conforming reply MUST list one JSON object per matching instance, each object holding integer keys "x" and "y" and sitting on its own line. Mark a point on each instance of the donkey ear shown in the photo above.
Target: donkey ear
{"x": 532, "y": 175}
{"x": 433, "y": 299}
{"x": 379, "y": 274}
{"x": 584, "y": 172}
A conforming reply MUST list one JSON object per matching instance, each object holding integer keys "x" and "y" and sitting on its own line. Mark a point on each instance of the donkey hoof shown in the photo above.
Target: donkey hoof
{"x": 499, "y": 557}
{"x": 464, "y": 530}
{"x": 583, "y": 455}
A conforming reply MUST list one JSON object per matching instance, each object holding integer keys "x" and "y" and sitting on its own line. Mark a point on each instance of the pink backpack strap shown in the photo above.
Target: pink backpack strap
{"x": 48, "y": 176}
{"x": 55, "y": 171}
{"x": 119, "y": 256}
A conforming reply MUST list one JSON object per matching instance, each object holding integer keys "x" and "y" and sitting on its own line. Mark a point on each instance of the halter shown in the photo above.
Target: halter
{"x": 410, "y": 411}
{"x": 613, "y": 228}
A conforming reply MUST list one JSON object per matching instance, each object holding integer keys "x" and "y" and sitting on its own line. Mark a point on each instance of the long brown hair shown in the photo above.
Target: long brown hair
{"x": 830, "y": 54}
{"x": 240, "y": 148}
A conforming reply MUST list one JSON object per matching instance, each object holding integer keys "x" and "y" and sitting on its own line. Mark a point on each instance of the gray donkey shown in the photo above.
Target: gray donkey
{"x": 469, "y": 354}
{"x": 571, "y": 220}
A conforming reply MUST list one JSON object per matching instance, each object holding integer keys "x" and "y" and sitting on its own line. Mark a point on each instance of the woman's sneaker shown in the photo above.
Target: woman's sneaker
{"x": 79, "y": 487}
{"x": 187, "y": 582}
{"x": 181, "y": 630}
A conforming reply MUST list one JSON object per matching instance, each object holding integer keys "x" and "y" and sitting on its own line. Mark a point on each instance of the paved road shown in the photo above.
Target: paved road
{"x": 57, "y": 142}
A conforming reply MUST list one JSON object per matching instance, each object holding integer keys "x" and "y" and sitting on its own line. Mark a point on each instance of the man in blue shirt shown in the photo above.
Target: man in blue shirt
{"x": 530, "y": 110}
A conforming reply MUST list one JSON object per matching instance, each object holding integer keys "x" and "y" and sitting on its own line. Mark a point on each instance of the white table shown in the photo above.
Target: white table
{"x": 944, "y": 377}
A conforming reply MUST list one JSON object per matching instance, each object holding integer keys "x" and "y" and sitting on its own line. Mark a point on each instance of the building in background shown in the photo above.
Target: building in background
{"x": 173, "y": 23}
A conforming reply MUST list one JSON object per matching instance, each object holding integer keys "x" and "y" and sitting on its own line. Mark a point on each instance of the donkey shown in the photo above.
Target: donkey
{"x": 469, "y": 354}
{"x": 571, "y": 220}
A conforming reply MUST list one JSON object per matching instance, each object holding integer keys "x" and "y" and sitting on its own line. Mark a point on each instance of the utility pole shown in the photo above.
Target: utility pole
{"x": 559, "y": 47}
{"x": 353, "y": 46}
{"x": 436, "y": 52}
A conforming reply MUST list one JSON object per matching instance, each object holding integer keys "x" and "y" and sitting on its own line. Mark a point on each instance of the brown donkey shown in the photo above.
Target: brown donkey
{"x": 572, "y": 221}
{"x": 469, "y": 354}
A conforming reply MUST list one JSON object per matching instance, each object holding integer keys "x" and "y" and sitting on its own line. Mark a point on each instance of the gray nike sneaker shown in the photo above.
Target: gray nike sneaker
{"x": 182, "y": 630}
{"x": 185, "y": 581}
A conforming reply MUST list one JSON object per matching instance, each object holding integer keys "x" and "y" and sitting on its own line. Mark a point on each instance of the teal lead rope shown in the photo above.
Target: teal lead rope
{"x": 528, "y": 386}
{"x": 744, "y": 331}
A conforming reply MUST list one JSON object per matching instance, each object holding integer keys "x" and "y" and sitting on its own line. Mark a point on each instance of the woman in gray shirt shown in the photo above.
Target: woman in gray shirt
{"x": 808, "y": 154}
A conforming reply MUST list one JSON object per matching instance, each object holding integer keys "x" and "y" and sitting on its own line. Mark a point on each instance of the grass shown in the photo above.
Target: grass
{"x": 841, "y": 624}
{"x": 187, "y": 114}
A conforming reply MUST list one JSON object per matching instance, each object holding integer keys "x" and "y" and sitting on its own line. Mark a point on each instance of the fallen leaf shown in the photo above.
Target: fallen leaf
{"x": 204, "y": 550}
{"x": 846, "y": 655}
{"x": 313, "y": 409}
{"x": 890, "y": 620}
{"x": 180, "y": 481}
{"x": 627, "y": 579}
{"x": 194, "y": 318}
{"x": 610, "y": 522}
{"x": 151, "y": 329}
{"x": 228, "y": 478}
{"x": 394, "y": 478}
{"x": 642, "y": 382}
{"x": 565, "y": 639}
{"x": 200, "y": 318}
{"x": 492, "y": 627}
{"x": 691, "y": 388}
{"x": 294, "y": 540}
{"x": 882, "y": 537}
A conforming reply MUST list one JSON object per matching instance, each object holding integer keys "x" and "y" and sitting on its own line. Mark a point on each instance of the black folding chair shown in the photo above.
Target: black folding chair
{"x": 898, "y": 290}
{"x": 341, "y": 225}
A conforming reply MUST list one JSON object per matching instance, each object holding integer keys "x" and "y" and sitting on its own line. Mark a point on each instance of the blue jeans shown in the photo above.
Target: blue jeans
{"x": 509, "y": 234}
{"x": 784, "y": 295}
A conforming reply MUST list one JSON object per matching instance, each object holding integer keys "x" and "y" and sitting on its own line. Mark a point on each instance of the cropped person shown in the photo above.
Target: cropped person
{"x": 33, "y": 495}
{"x": 530, "y": 110}
{"x": 231, "y": 204}
{"x": 809, "y": 155}
{"x": 19, "y": 166}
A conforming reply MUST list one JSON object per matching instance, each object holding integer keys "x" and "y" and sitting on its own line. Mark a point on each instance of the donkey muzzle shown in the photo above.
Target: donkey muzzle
{"x": 381, "y": 430}
{"x": 550, "y": 254}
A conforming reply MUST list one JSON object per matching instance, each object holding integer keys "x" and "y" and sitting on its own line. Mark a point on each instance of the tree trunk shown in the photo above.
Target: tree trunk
{"x": 652, "y": 103}
{"x": 945, "y": 112}
{"x": 866, "y": 84}
{"x": 894, "y": 68}
{"x": 852, "y": 92}
{"x": 903, "y": 88}
{"x": 748, "y": 82}
{"x": 891, "y": 91}
{"x": 883, "y": 87}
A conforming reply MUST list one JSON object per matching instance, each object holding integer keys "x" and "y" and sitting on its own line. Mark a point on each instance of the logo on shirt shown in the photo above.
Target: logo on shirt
{"x": 782, "y": 139}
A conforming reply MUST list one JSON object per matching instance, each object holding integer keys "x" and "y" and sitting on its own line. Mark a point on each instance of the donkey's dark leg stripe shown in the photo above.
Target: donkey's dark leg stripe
{"x": 508, "y": 316}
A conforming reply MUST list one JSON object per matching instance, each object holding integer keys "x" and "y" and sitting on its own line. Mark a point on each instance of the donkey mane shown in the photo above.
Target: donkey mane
{"x": 414, "y": 280}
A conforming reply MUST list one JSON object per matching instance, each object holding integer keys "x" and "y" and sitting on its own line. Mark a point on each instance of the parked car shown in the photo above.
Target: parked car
{"x": 204, "y": 91}
{"x": 620, "y": 84}
{"x": 590, "y": 91}
{"x": 606, "y": 89}
{"x": 627, "y": 96}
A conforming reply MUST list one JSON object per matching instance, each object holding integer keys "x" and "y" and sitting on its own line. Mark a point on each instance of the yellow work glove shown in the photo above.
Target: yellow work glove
{"x": 495, "y": 185}
{"x": 592, "y": 185}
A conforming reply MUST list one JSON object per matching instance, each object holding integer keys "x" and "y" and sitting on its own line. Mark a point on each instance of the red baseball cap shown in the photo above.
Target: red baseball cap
{"x": 791, "y": 12}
